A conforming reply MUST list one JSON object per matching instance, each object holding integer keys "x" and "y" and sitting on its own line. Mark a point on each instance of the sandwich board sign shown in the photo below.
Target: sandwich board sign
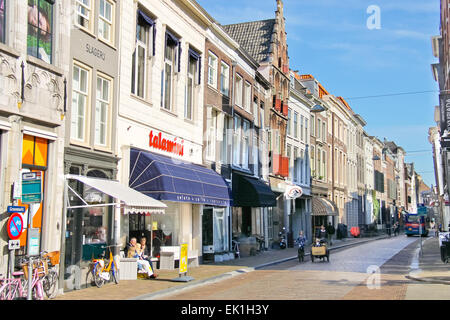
{"x": 31, "y": 187}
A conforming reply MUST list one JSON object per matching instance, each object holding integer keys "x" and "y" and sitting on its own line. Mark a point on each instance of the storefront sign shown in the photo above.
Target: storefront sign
{"x": 183, "y": 258}
{"x": 95, "y": 52}
{"x": 159, "y": 141}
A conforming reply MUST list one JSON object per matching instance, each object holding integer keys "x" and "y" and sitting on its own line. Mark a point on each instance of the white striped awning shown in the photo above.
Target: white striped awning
{"x": 133, "y": 201}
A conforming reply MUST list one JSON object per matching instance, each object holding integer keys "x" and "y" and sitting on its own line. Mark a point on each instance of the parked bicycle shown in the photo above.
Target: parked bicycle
{"x": 103, "y": 270}
{"x": 50, "y": 280}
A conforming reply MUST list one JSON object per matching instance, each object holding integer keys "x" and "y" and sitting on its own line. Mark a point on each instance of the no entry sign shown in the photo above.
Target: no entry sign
{"x": 14, "y": 226}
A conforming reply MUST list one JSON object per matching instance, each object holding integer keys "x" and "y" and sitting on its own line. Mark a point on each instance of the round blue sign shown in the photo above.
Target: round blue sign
{"x": 15, "y": 226}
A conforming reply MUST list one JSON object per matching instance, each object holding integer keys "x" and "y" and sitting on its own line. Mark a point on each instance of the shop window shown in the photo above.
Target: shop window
{"x": 34, "y": 159}
{"x": 219, "y": 230}
{"x": 2, "y": 20}
{"x": 105, "y": 20}
{"x": 40, "y": 29}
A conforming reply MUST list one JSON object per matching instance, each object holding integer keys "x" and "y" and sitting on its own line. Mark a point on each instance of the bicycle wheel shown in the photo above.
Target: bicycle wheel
{"x": 97, "y": 273}
{"x": 37, "y": 292}
{"x": 114, "y": 273}
{"x": 8, "y": 291}
{"x": 50, "y": 283}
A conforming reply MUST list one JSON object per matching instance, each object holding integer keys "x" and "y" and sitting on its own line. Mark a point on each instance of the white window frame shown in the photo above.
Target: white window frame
{"x": 289, "y": 125}
{"x": 211, "y": 121}
{"x": 191, "y": 76}
{"x": 106, "y": 21}
{"x": 238, "y": 90}
{"x": 237, "y": 123}
{"x": 212, "y": 69}
{"x": 135, "y": 57}
{"x": 296, "y": 125}
{"x": 247, "y": 96}
{"x": 108, "y": 104}
{"x": 224, "y": 78}
{"x": 172, "y": 64}
{"x": 245, "y": 152}
{"x": 75, "y": 115}
{"x": 88, "y": 7}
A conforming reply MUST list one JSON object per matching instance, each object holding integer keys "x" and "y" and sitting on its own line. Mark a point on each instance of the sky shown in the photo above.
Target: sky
{"x": 331, "y": 40}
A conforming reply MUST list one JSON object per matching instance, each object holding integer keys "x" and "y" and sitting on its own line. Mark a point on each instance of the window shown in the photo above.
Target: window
{"x": 301, "y": 127}
{"x": 224, "y": 78}
{"x": 288, "y": 155}
{"x": 237, "y": 140}
{"x": 80, "y": 90}
{"x": 102, "y": 110}
{"x": 211, "y": 121}
{"x": 83, "y": 15}
{"x": 319, "y": 125}
{"x": 313, "y": 131}
{"x": 226, "y": 144}
{"x": 105, "y": 21}
{"x": 245, "y": 143}
{"x": 139, "y": 59}
{"x": 40, "y": 33}
{"x": 313, "y": 162}
{"x": 190, "y": 87}
{"x": 261, "y": 115}
{"x": 289, "y": 122}
{"x": 212, "y": 70}
{"x": 324, "y": 167}
{"x": 238, "y": 90}
{"x": 306, "y": 129}
{"x": 324, "y": 131}
{"x": 256, "y": 112}
{"x": 295, "y": 125}
{"x": 2, "y": 20}
{"x": 248, "y": 96}
{"x": 296, "y": 164}
{"x": 170, "y": 58}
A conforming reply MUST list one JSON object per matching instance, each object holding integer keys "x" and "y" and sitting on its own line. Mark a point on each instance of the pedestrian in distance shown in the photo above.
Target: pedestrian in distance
{"x": 330, "y": 231}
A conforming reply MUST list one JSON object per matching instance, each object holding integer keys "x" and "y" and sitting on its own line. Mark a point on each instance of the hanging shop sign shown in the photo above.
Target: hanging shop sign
{"x": 293, "y": 192}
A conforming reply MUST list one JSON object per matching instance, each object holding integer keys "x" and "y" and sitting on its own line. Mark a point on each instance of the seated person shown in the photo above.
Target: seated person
{"x": 145, "y": 254}
{"x": 320, "y": 242}
{"x": 134, "y": 251}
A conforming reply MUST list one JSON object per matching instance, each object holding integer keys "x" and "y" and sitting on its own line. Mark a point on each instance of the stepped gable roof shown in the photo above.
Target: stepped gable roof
{"x": 255, "y": 37}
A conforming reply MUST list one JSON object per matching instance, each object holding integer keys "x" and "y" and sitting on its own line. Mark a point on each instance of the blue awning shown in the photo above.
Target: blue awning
{"x": 164, "y": 178}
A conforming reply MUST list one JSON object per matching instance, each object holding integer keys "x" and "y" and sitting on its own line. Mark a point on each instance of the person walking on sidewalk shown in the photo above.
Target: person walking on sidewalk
{"x": 330, "y": 231}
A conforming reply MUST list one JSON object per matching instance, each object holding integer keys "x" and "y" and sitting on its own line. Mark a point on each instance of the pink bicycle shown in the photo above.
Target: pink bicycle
{"x": 17, "y": 287}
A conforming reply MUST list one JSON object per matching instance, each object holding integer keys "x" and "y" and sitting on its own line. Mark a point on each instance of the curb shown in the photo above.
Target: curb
{"x": 427, "y": 280}
{"x": 227, "y": 275}
{"x": 198, "y": 283}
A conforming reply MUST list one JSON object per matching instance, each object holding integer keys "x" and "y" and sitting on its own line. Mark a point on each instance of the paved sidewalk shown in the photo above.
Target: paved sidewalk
{"x": 205, "y": 273}
{"x": 429, "y": 266}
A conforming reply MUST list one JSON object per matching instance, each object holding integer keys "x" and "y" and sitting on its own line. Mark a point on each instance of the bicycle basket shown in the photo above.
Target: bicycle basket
{"x": 42, "y": 269}
{"x": 54, "y": 257}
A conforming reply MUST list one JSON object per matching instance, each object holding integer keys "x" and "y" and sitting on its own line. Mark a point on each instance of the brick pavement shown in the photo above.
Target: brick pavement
{"x": 140, "y": 288}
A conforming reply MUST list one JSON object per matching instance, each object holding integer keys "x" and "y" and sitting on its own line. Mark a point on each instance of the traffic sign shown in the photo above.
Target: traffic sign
{"x": 15, "y": 226}
{"x": 13, "y": 244}
{"x": 19, "y": 209}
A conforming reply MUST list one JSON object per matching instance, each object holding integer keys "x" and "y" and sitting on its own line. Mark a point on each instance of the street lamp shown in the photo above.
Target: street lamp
{"x": 317, "y": 108}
